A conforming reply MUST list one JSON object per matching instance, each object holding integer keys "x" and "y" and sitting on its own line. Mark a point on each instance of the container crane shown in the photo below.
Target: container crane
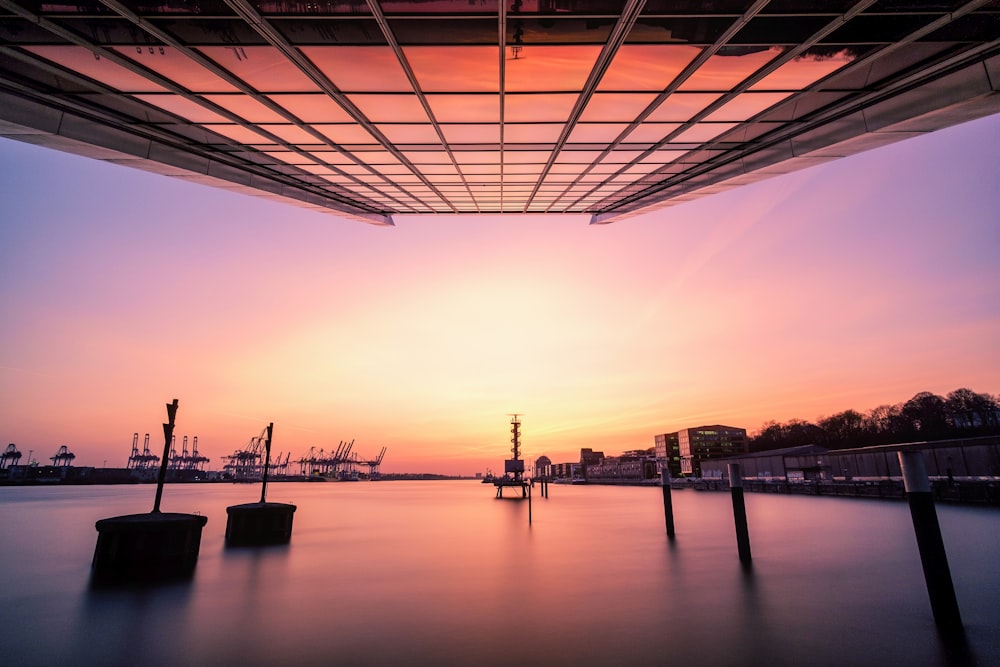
{"x": 373, "y": 465}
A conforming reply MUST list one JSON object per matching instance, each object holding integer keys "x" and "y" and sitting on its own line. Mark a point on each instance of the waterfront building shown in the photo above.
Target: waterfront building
{"x": 632, "y": 466}
{"x": 589, "y": 458}
{"x": 668, "y": 452}
{"x": 543, "y": 467}
{"x": 570, "y": 470}
{"x": 804, "y": 462}
{"x": 369, "y": 110}
{"x": 709, "y": 442}
{"x": 960, "y": 459}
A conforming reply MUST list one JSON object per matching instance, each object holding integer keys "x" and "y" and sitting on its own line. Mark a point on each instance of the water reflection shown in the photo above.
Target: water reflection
{"x": 426, "y": 572}
{"x": 115, "y": 626}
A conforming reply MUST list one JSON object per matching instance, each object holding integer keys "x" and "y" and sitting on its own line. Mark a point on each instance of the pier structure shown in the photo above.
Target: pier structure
{"x": 513, "y": 468}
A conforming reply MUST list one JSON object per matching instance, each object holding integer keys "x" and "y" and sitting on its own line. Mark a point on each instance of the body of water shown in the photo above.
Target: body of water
{"x": 421, "y": 573}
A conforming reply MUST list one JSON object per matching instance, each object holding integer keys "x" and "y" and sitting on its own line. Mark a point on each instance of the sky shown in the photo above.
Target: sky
{"x": 848, "y": 285}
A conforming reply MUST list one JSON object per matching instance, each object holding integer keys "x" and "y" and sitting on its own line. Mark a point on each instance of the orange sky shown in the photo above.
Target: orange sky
{"x": 849, "y": 285}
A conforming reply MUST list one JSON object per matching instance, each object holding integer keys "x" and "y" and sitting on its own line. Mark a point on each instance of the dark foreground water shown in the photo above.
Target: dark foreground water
{"x": 441, "y": 573}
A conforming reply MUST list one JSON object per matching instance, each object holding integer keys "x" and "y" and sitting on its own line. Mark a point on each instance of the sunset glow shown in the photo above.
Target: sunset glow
{"x": 843, "y": 286}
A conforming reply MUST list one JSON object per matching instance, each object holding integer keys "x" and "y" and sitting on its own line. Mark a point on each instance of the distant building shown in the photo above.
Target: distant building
{"x": 566, "y": 471}
{"x": 589, "y": 458}
{"x": 668, "y": 452}
{"x": 632, "y": 466}
{"x": 709, "y": 442}
{"x": 543, "y": 467}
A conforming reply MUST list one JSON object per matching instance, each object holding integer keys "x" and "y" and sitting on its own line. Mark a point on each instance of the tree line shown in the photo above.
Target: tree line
{"x": 962, "y": 413}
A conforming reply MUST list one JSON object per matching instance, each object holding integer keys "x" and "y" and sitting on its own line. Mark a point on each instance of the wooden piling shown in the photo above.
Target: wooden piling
{"x": 529, "y": 505}
{"x": 168, "y": 433}
{"x": 668, "y": 505}
{"x": 267, "y": 463}
{"x": 933, "y": 558}
{"x": 739, "y": 513}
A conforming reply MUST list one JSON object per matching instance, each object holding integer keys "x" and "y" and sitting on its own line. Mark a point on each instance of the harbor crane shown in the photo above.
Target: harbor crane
{"x": 172, "y": 457}
{"x": 10, "y": 455}
{"x": 63, "y": 457}
{"x": 342, "y": 463}
{"x": 145, "y": 461}
{"x": 247, "y": 464}
{"x": 195, "y": 461}
{"x": 373, "y": 465}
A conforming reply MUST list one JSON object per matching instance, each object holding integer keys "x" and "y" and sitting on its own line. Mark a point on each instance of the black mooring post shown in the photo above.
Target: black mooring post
{"x": 933, "y": 558}
{"x": 168, "y": 434}
{"x": 267, "y": 462}
{"x": 739, "y": 513}
{"x": 668, "y": 504}
{"x": 529, "y": 505}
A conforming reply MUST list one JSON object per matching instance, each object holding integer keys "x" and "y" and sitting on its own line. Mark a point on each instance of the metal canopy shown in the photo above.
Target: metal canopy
{"x": 368, "y": 110}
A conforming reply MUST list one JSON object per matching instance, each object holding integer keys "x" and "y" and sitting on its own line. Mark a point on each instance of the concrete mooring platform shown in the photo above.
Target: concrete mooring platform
{"x": 256, "y": 524}
{"x": 149, "y": 547}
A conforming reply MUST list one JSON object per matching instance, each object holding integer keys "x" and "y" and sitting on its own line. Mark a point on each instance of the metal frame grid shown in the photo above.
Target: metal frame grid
{"x": 375, "y": 109}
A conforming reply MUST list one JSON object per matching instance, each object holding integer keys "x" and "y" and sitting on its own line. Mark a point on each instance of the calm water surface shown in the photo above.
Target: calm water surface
{"x": 421, "y": 573}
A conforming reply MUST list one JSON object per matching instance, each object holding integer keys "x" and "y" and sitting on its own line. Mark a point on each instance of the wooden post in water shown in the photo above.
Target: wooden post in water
{"x": 739, "y": 513}
{"x": 267, "y": 463}
{"x": 168, "y": 434}
{"x": 529, "y": 504}
{"x": 933, "y": 558}
{"x": 668, "y": 505}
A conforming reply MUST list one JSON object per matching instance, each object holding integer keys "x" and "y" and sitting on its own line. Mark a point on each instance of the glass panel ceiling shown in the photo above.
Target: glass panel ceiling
{"x": 646, "y": 66}
{"x": 264, "y": 68}
{"x": 178, "y": 67}
{"x": 583, "y": 120}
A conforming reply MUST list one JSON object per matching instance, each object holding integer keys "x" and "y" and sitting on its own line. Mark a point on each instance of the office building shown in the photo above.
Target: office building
{"x": 668, "y": 452}
{"x": 709, "y": 442}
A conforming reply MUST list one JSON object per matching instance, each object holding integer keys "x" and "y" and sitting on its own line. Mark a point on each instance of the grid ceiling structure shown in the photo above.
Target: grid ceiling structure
{"x": 370, "y": 109}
